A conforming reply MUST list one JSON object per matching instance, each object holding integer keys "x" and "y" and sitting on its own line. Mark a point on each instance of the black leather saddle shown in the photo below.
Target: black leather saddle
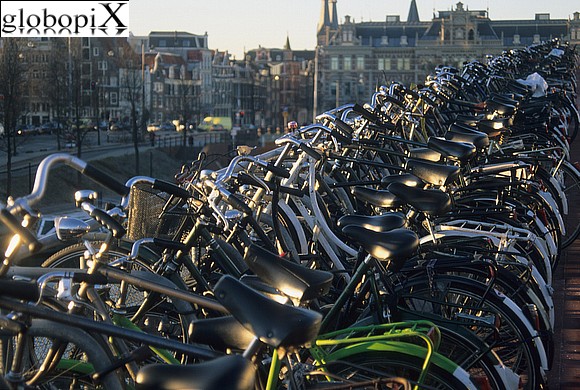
{"x": 431, "y": 172}
{"x": 290, "y": 278}
{"x": 379, "y": 198}
{"x": 431, "y": 202}
{"x": 405, "y": 178}
{"x": 464, "y": 133}
{"x": 394, "y": 246}
{"x": 227, "y": 372}
{"x": 425, "y": 154}
{"x": 456, "y": 151}
{"x": 377, "y": 223}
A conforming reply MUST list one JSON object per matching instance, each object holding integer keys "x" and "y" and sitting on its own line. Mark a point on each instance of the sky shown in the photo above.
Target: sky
{"x": 238, "y": 26}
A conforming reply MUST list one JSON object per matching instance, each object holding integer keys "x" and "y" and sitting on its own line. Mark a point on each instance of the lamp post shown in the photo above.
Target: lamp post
{"x": 143, "y": 87}
{"x": 315, "y": 103}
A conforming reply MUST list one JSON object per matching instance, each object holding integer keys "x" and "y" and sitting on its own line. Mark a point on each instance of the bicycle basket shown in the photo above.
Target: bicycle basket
{"x": 146, "y": 216}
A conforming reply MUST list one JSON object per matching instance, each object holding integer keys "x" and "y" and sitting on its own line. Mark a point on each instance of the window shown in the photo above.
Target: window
{"x": 114, "y": 98}
{"x": 384, "y": 40}
{"x": 186, "y": 43}
{"x": 407, "y": 63}
{"x": 162, "y": 43}
{"x": 347, "y": 36}
{"x": 360, "y": 62}
{"x": 333, "y": 89}
{"x": 95, "y": 51}
{"x": 517, "y": 39}
{"x": 404, "y": 40}
{"x": 400, "y": 63}
{"x": 384, "y": 64}
{"x": 536, "y": 38}
{"x": 334, "y": 63}
{"x": 347, "y": 62}
{"x": 103, "y": 65}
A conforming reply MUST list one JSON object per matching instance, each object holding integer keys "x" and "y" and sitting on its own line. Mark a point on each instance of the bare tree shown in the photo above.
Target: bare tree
{"x": 56, "y": 83}
{"x": 76, "y": 85}
{"x": 12, "y": 79}
{"x": 131, "y": 82}
{"x": 185, "y": 105}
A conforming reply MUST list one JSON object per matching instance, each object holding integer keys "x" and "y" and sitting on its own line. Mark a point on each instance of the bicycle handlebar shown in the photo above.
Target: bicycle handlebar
{"x": 104, "y": 219}
{"x": 16, "y": 227}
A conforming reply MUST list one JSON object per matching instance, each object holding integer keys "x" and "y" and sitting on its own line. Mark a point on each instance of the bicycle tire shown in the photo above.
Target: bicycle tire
{"x": 466, "y": 350}
{"x": 569, "y": 178}
{"x": 458, "y": 296}
{"x": 372, "y": 365}
{"x": 175, "y": 311}
{"x": 96, "y": 358}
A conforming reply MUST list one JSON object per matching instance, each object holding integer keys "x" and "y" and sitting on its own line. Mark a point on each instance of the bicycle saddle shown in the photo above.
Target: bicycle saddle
{"x": 432, "y": 202}
{"x": 377, "y": 223}
{"x": 468, "y": 119}
{"x": 456, "y": 151}
{"x": 425, "y": 154}
{"x": 464, "y": 133}
{"x": 227, "y": 372}
{"x": 292, "y": 279}
{"x": 221, "y": 333}
{"x": 500, "y": 107}
{"x": 396, "y": 245}
{"x": 405, "y": 178}
{"x": 431, "y": 172}
{"x": 273, "y": 323}
{"x": 494, "y": 127}
{"x": 379, "y": 198}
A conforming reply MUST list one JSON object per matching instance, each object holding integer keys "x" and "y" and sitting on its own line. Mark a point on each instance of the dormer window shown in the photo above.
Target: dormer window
{"x": 347, "y": 36}
{"x": 517, "y": 40}
{"x": 384, "y": 40}
{"x": 404, "y": 40}
{"x": 536, "y": 38}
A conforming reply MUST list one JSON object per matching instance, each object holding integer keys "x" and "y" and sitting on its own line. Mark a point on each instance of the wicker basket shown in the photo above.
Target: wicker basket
{"x": 146, "y": 216}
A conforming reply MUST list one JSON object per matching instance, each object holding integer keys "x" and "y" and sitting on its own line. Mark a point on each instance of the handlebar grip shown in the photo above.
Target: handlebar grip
{"x": 106, "y": 180}
{"x": 171, "y": 189}
{"x": 366, "y": 113}
{"x": 292, "y": 191}
{"x": 20, "y": 289}
{"x": 239, "y": 204}
{"x": 343, "y": 126}
{"x": 278, "y": 171}
{"x": 340, "y": 137}
{"x": 310, "y": 151}
{"x": 244, "y": 178}
{"x": 393, "y": 100}
{"x": 169, "y": 244}
{"x": 93, "y": 279}
{"x": 16, "y": 227}
{"x": 109, "y": 222}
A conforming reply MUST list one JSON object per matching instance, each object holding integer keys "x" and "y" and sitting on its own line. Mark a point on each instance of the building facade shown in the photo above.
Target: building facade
{"x": 353, "y": 58}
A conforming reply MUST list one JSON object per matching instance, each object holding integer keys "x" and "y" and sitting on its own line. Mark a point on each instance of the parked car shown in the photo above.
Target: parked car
{"x": 27, "y": 130}
{"x": 153, "y": 127}
{"x": 167, "y": 126}
{"x": 118, "y": 126}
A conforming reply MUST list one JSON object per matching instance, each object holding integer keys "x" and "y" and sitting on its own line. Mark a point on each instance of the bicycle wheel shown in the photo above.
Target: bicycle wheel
{"x": 488, "y": 314}
{"x": 366, "y": 371}
{"x": 82, "y": 357}
{"x": 164, "y": 316}
{"x": 569, "y": 178}
{"x": 466, "y": 350}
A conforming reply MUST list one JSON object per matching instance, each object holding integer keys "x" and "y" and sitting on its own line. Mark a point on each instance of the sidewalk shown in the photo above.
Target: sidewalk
{"x": 565, "y": 374}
